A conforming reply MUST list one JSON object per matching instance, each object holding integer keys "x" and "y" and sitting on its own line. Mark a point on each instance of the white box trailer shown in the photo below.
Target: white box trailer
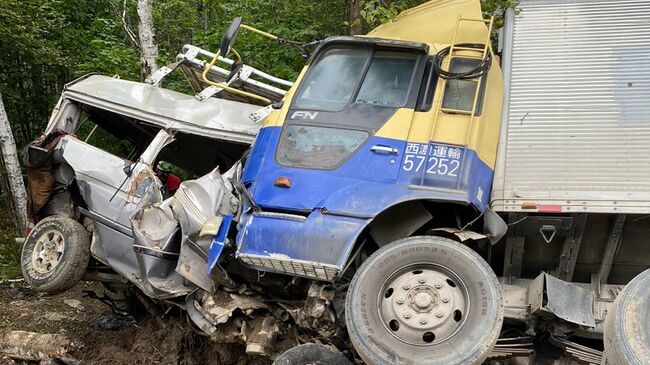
{"x": 576, "y": 119}
{"x": 572, "y": 176}
{"x": 573, "y": 166}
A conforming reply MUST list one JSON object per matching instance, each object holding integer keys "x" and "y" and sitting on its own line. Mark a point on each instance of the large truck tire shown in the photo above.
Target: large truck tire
{"x": 424, "y": 300}
{"x": 627, "y": 326}
{"x": 311, "y": 353}
{"x": 55, "y": 255}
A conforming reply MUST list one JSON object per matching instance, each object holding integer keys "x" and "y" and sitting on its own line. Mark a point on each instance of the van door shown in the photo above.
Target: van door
{"x": 111, "y": 186}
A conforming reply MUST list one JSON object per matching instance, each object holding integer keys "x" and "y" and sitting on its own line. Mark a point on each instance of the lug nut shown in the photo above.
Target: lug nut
{"x": 439, "y": 314}
{"x": 423, "y": 321}
{"x": 407, "y": 315}
{"x": 406, "y": 287}
{"x": 445, "y": 300}
{"x": 438, "y": 286}
{"x": 400, "y": 301}
{"x": 422, "y": 280}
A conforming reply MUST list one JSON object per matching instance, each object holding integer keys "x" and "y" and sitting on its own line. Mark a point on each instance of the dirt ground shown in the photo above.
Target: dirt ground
{"x": 101, "y": 337}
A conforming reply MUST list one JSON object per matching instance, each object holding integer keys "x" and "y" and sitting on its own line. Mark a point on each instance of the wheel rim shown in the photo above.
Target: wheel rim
{"x": 48, "y": 251}
{"x": 423, "y": 304}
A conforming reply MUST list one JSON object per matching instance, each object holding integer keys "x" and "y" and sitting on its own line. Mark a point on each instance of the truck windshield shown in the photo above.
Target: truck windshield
{"x": 332, "y": 82}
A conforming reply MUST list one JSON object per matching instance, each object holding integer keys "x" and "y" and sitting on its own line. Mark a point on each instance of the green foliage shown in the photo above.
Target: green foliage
{"x": 204, "y": 23}
{"x": 47, "y": 43}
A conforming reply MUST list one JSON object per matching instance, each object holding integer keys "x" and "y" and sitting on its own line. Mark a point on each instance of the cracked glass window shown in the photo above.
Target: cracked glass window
{"x": 388, "y": 79}
{"x": 318, "y": 147}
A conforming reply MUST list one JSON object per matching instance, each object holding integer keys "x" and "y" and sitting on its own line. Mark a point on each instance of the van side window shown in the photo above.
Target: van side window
{"x": 459, "y": 94}
{"x": 427, "y": 88}
{"x": 95, "y": 135}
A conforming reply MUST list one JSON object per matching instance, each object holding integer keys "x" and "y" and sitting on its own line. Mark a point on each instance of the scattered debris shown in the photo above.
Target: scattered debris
{"x": 114, "y": 322}
{"x": 74, "y": 303}
{"x": 22, "y": 293}
{"x": 23, "y": 345}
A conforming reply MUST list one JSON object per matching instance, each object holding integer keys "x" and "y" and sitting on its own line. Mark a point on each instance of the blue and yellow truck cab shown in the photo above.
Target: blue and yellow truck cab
{"x": 374, "y": 125}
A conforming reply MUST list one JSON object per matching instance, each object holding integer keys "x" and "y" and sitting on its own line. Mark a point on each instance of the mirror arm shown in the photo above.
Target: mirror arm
{"x": 260, "y": 32}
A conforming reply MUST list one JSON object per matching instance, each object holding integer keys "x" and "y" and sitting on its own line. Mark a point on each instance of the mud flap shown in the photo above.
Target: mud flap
{"x": 565, "y": 300}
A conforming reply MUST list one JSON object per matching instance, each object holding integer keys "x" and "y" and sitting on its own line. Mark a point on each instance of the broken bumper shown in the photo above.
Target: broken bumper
{"x": 316, "y": 246}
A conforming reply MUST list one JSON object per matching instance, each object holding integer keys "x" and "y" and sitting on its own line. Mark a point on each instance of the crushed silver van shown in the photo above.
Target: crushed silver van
{"x": 115, "y": 193}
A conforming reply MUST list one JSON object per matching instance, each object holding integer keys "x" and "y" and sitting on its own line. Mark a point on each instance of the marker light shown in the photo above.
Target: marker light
{"x": 282, "y": 182}
{"x": 528, "y": 205}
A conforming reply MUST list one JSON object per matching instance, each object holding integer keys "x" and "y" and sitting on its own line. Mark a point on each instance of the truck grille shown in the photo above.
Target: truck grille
{"x": 286, "y": 265}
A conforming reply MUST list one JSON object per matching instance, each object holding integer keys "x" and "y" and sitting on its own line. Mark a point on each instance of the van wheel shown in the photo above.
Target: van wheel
{"x": 311, "y": 354}
{"x": 55, "y": 255}
{"x": 627, "y": 326}
{"x": 424, "y": 300}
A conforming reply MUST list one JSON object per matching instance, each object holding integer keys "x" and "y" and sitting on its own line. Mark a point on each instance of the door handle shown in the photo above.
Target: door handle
{"x": 384, "y": 150}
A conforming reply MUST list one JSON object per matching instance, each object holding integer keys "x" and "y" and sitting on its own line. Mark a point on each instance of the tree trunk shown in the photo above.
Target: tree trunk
{"x": 147, "y": 38}
{"x": 355, "y": 24}
{"x": 14, "y": 174}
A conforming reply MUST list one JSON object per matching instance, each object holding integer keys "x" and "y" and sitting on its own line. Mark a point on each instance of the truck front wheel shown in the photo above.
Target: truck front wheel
{"x": 424, "y": 300}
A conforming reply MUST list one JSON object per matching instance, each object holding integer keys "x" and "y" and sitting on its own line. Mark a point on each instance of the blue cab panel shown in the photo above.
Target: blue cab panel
{"x": 328, "y": 210}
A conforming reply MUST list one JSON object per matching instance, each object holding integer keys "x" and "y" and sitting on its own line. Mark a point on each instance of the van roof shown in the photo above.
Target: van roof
{"x": 216, "y": 118}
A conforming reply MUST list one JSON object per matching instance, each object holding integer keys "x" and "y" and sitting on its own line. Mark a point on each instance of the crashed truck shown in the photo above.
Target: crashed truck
{"x": 405, "y": 201}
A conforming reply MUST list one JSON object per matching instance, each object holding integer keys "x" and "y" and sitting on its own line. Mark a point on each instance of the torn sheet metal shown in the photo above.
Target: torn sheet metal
{"x": 463, "y": 235}
{"x": 318, "y": 311}
{"x": 192, "y": 263}
{"x": 196, "y": 201}
{"x": 157, "y": 246}
{"x": 154, "y": 225}
{"x": 200, "y": 206}
{"x": 211, "y": 226}
{"x": 241, "y": 317}
{"x": 494, "y": 226}
{"x": 565, "y": 300}
{"x": 220, "y": 305}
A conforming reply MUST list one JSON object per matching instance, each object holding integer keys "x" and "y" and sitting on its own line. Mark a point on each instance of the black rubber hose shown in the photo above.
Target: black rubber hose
{"x": 478, "y": 71}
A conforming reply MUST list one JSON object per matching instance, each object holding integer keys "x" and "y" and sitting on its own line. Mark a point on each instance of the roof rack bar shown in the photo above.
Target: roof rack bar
{"x": 228, "y": 61}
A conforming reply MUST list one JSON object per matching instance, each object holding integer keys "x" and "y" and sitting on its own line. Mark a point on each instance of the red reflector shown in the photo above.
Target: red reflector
{"x": 528, "y": 205}
{"x": 282, "y": 182}
{"x": 550, "y": 208}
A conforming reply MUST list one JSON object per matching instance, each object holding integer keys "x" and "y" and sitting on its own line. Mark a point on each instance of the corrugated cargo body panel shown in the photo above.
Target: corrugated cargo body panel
{"x": 576, "y": 127}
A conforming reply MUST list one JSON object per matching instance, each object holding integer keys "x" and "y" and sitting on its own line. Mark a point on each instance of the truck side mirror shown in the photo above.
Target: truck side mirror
{"x": 229, "y": 37}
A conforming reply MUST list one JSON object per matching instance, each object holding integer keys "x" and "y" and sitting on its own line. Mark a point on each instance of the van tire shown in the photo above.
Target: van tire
{"x": 627, "y": 325}
{"x": 311, "y": 353}
{"x": 55, "y": 255}
{"x": 401, "y": 285}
